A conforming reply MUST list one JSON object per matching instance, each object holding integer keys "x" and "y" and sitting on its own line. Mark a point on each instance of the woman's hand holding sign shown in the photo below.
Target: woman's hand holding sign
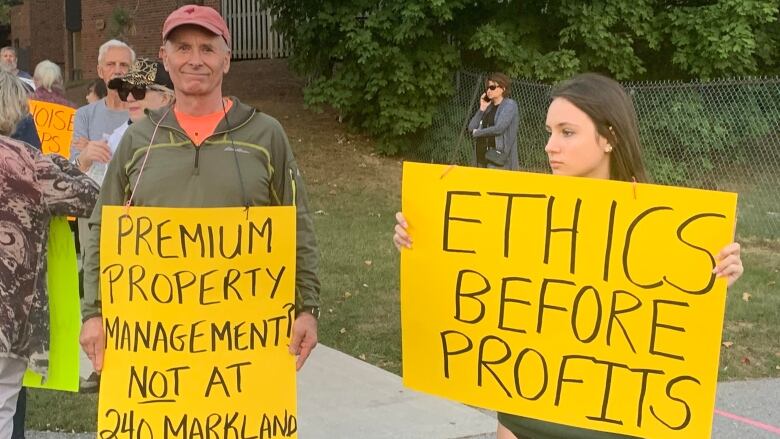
{"x": 401, "y": 236}
{"x": 729, "y": 263}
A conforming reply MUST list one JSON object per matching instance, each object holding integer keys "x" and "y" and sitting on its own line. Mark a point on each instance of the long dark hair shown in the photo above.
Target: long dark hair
{"x": 612, "y": 111}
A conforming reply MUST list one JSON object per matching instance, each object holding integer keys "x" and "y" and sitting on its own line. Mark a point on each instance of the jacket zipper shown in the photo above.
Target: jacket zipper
{"x": 294, "y": 187}
{"x": 196, "y": 171}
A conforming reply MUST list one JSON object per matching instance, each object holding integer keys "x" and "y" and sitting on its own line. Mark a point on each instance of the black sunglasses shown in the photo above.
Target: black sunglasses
{"x": 493, "y": 87}
{"x": 139, "y": 93}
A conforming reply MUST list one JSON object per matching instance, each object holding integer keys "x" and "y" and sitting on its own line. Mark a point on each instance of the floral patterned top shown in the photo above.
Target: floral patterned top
{"x": 33, "y": 188}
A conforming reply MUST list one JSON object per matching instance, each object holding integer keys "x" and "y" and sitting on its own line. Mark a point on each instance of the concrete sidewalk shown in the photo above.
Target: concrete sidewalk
{"x": 743, "y": 406}
{"x": 349, "y": 398}
{"x": 341, "y": 397}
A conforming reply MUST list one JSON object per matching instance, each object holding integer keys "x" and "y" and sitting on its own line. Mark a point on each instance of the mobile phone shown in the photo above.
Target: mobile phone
{"x": 485, "y": 98}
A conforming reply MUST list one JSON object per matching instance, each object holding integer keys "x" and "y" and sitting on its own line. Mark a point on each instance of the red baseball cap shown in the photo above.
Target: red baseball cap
{"x": 203, "y": 16}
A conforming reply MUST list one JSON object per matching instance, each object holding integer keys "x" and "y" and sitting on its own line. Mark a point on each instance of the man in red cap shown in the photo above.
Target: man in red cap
{"x": 209, "y": 151}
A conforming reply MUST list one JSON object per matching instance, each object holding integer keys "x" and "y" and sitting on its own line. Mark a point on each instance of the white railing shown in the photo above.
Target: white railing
{"x": 250, "y": 28}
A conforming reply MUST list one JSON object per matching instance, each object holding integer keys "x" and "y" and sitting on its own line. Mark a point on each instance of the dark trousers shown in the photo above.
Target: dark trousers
{"x": 21, "y": 410}
{"x": 481, "y": 149}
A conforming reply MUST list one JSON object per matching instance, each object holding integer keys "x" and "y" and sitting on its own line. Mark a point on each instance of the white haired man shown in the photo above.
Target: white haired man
{"x": 99, "y": 119}
{"x": 92, "y": 127}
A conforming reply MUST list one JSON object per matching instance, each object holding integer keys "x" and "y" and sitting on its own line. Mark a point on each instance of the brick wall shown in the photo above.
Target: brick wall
{"x": 39, "y": 28}
{"x": 20, "y": 24}
{"x": 49, "y": 38}
{"x": 145, "y": 36}
{"x": 20, "y": 34}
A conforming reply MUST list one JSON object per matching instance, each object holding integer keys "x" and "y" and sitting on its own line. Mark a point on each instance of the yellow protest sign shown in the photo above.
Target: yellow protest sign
{"x": 583, "y": 302}
{"x": 198, "y": 307}
{"x": 54, "y": 123}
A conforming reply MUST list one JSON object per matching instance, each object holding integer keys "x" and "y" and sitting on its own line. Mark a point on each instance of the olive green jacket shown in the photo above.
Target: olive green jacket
{"x": 179, "y": 174}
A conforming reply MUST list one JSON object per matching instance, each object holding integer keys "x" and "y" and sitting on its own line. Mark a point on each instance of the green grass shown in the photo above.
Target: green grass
{"x": 758, "y": 214}
{"x": 359, "y": 274}
{"x": 753, "y": 325}
{"x": 61, "y": 411}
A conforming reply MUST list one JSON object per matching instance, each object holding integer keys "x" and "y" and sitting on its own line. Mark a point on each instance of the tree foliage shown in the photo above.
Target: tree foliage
{"x": 386, "y": 65}
{"x": 5, "y": 10}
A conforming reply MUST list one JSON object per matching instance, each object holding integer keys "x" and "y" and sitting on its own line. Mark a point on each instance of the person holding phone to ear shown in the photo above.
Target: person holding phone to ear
{"x": 495, "y": 125}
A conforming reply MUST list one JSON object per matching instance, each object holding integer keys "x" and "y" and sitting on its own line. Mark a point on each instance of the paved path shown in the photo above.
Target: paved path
{"x": 341, "y": 397}
{"x": 748, "y": 410}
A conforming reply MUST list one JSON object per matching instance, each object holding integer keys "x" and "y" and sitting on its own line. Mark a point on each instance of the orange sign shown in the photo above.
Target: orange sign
{"x": 54, "y": 123}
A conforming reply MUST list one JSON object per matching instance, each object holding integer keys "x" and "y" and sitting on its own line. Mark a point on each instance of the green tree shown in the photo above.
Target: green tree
{"x": 387, "y": 65}
{"x": 384, "y": 66}
{"x": 5, "y": 10}
{"x": 731, "y": 37}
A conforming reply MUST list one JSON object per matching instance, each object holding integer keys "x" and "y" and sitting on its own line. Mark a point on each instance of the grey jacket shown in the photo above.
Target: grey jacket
{"x": 505, "y": 127}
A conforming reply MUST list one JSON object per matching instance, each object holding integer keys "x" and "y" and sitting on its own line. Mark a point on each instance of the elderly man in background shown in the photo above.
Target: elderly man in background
{"x": 92, "y": 127}
{"x": 96, "y": 121}
{"x": 8, "y": 62}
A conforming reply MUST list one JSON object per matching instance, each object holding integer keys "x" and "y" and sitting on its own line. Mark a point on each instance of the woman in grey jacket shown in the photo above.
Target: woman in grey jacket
{"x": 495, "y": 125}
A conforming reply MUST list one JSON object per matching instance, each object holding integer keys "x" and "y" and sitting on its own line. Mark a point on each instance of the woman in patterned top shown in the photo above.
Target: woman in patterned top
{"x": 33, "y": 188}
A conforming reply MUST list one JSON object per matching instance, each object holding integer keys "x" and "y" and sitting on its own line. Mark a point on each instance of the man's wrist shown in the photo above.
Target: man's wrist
{"x": 311, "y": 310}
{"x": 82, "y": 165}
{"x": 91, "y": 316}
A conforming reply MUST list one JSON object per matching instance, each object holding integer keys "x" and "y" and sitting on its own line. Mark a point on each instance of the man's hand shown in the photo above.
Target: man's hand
{"x": 304, "y": 338}
{"x": 80, "y": 143}
{"x": 94, "y": 151}
{"x": 93, "y": 341}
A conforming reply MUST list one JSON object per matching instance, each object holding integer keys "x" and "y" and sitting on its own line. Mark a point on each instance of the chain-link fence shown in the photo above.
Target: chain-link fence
{"x": 722, "y": 135}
